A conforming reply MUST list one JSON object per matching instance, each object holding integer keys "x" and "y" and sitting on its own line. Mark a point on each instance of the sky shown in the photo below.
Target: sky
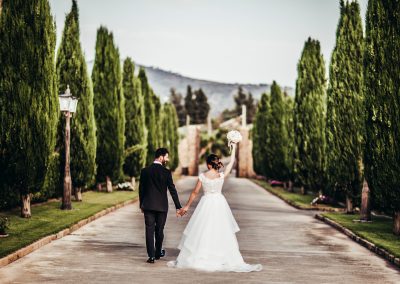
{"x": 232, "y": 41}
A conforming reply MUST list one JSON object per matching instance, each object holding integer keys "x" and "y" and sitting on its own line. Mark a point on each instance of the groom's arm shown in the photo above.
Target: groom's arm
{"x": 172, "y": 191}
{"x": 141, "y": 181}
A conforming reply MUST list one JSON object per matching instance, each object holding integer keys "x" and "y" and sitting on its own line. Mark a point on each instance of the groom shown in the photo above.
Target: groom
{"x": 154, "y": 181}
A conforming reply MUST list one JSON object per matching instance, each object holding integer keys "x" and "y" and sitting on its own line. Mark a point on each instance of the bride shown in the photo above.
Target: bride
{"x": 209, "y": 242}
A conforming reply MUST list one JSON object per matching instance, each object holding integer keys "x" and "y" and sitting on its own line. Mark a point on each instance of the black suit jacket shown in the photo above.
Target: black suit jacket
{"x": 154, "y": 182}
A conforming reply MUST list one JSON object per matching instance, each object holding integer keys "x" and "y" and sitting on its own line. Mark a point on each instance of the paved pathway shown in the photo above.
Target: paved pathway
{"x": 292, "y": 246}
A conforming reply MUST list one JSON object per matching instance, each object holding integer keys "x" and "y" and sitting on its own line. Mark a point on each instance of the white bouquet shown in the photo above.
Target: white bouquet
{"x": 234, "y": 137}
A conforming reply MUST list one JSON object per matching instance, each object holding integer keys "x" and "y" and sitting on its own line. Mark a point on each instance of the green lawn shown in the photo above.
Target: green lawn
{"x": 48, "y": 219}
{"x": 295, "y": 198}
{"x": 379, "y": 232}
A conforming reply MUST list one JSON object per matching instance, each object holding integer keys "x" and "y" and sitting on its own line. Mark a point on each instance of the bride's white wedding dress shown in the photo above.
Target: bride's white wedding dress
{"x": 209, "y": 241}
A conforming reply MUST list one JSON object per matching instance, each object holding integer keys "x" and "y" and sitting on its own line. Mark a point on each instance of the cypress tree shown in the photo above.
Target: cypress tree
{"x": 190, "y": 105}
{"x": 109, "y": 108}
{"x": 135, "y": 128}
{"x": 261, "y": 154}
{"x": 29, "y": 107}
{"x": 241, "y": 98}
{"x": 344, "y": 121}
{"x": 288, "y": 101}
{"x": 176, "y": 100}
{"x": 382, "y": 101}
{"x": 158, "y": 110}
{"x": 202, "y": 108}
{"x": 309, "y": 117}
{"x": 277, "y": 132}
{"x": 151, "y": 124}
{"x": 72, "y": 70}
{"x": 170, "y": 134}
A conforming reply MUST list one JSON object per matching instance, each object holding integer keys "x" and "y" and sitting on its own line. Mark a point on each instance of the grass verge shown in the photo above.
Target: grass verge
{"x": 48, "y": 219}
{"x": 296, "y": 199}
{"x": 379, "y": 231}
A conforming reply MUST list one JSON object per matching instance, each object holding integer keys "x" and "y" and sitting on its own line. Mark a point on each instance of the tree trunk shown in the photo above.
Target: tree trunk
{"x": 133, "y": 183}
{"x": 99, "y": 187}
{"x": 396, "y": 223}
{"x": 285, "y": 185}
{"x": 365, "y": 213}
{"x": 349, "y": 205}
{"x": 109, "y": 184}
{"x": 290, "y": 187}
{"x": 303, "y": 190}
{"x": 78, "y": 193}
{"x": 26, "y": 205}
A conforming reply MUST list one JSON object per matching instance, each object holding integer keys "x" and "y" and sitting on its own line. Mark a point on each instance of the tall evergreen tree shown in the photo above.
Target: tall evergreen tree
{"x": 289, "y": 103}
{"x": 277, "y": 131}
{"x": 382, "y": 97}
{"x": 29, "y": 107}
{"x": 190, "y": 105}
{"x": 309, "y": 117}
{"x": 109, "y": 108}
{"x": 176, "y": 100}
{"x": 261, "y": 154}
{"x": 72, "y": 70}
{"x": 202, "y": 108}
{"x": 344, "y": 120}
{"x": 170, "y": 134}
{"x": 241, "y": 98}
{"x": 149, "y": 108}
{"x": 135, "y": 127}
{"x": 158, "y": 110}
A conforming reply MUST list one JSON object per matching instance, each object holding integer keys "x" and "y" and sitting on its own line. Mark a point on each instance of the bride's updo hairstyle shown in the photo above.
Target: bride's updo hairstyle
{"x": 214, "y": 161}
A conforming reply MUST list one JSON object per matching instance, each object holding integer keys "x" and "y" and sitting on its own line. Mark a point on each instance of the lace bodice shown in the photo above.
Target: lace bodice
{"x": 212, "y": 186}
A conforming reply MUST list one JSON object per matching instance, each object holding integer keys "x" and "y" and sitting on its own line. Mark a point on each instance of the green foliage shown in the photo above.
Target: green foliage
{"x": 379, "y": 232}
{"x": 29, "y": 101}
{"x": 309, "y": 117}
{"x": 344, "y": 120}
{"x": 72, "y": 70}
{"x": 278, "y": 136}
{"x": 151, "y": 123}
{"x": 196, "y": 106}
{"x": 170, "y": 134}
{"x": 261, "y": 138}
{"x": 288, "y": 112}
{"x": 176, "y": 100}
{"x": 241, "y": 98}
{"x": 382, "y": 97}
{"x": 158, "y": 110}
{"x": 109, "y": 107}
{"x": 135, "y": 128}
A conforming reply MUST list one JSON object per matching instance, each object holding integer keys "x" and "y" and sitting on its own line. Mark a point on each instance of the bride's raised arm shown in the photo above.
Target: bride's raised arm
{"x": 229, "y": 167}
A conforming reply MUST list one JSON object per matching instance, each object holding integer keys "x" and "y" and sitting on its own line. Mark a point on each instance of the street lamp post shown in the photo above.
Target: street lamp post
{"x": 68, "y": 105}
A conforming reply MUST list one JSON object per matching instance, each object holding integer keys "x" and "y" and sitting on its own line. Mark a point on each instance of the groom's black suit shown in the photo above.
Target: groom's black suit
{"x": 154, "y": 182}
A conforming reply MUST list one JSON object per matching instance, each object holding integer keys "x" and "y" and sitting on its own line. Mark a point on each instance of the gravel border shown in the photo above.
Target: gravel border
{"x": 48, "y": 239}
{"x": 372, "y": 247}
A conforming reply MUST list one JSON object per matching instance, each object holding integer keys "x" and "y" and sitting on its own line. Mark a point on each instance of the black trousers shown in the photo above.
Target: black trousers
{"x": 155, "y": 222}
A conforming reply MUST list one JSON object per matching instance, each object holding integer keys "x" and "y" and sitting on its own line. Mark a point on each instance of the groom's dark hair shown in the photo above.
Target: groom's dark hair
{"x": 161, "y": 152}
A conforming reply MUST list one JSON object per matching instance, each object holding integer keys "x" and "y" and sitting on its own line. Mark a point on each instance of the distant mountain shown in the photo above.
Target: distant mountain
{"x": 220, "y": 95}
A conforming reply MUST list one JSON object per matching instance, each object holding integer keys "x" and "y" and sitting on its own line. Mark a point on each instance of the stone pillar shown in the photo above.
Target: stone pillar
{"x": 245, "y": 158}
{"x": 193, "y": 149}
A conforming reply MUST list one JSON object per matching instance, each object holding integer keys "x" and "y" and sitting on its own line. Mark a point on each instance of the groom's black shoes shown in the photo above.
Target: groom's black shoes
{"x": 150, "y": 260}
{"x": 162, "y": 254}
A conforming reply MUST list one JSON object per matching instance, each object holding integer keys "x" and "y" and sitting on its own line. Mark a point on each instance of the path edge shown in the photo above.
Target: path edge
{"x": 356, "y": 238}
{"x": 48, "y": 239}
{"x": 293, "y": 204}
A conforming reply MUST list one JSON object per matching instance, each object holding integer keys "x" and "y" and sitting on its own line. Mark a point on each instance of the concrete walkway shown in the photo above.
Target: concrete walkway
{"x": 292, "y": 246}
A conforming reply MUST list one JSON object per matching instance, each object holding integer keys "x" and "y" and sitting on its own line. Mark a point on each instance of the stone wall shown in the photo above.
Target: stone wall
{"x": 189, "y": 149}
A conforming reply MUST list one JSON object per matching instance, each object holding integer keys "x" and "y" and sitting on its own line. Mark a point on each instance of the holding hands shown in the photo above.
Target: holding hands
{"x": 181, "y": 212}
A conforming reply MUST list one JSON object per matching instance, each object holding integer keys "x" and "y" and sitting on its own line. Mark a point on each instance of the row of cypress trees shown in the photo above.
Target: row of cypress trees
{"x": 110, "y": 132}
{"x": 348, "y": 131}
